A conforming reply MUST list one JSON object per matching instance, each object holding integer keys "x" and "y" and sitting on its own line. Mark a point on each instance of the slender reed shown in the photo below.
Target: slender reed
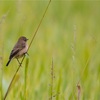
{"x": 1, "y": 60}
{"x": 25, "y": 81}
{"x": 73, "y": 48}
{"x": 52, "y": 93}
{"x": 79, "y": 91}
{"x": 82, "y": 73}
{"x": 52, "y": 81}
{"x": 1, "y": 75}
{"x": 27, "y": 51}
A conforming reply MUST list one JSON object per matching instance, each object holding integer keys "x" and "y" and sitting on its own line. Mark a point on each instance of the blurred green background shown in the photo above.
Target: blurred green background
{"x": 69, "y": 34}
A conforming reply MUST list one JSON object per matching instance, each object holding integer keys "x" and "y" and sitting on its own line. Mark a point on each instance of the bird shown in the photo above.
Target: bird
{"x": 19, "y": 50}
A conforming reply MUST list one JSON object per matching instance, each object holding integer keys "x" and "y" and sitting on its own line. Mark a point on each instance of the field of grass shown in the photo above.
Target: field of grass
{"x": 64, "y": 53}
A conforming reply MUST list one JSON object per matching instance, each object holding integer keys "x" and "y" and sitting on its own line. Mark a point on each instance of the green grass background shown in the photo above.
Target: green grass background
{"x": 70, "y": 33}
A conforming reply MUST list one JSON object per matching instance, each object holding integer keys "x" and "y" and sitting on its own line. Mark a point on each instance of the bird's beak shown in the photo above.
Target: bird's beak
{"x": 27, "y": 39}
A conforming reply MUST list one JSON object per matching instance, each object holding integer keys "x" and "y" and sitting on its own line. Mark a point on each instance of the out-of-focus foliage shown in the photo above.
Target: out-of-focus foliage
{"x": 69, "y": 33}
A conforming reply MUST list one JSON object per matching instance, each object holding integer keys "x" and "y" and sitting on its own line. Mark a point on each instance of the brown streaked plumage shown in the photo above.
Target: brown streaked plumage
{"x": 19, "y": 49}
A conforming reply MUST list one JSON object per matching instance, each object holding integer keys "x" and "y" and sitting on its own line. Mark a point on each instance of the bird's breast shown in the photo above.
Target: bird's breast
{"x": 22, "y": 52}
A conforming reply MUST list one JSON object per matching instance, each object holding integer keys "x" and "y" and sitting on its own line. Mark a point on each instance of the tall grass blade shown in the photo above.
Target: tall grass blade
{"x": 25, "y": 79}
{"x": 1, "y": 77}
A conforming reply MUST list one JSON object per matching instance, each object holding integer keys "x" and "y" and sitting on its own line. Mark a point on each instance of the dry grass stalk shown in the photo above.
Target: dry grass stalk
{"x": 52, "y": 81}
{"x": 79, "y": 91}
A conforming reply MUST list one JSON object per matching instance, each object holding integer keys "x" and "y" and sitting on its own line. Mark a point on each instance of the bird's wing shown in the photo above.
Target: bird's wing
{"x": 13, "y": 53}
{"x": 16, "y": 49}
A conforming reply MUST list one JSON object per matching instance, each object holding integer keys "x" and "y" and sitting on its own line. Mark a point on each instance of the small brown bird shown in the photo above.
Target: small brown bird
{"x": 19, "y": 49}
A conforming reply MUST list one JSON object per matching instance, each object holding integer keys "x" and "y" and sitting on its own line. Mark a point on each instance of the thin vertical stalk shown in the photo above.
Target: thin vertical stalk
{"x": 52, "y": 81}
{"x": 25, "y": 81}
{"x": 79, "y": 91}
{"x": 1, "y": 59}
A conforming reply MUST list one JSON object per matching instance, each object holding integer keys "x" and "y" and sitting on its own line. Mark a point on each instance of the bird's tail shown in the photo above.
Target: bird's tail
{"x": 8, "y": 62}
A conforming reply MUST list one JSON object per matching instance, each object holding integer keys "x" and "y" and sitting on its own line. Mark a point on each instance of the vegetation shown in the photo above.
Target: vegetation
{"x": 64, "y": 58}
